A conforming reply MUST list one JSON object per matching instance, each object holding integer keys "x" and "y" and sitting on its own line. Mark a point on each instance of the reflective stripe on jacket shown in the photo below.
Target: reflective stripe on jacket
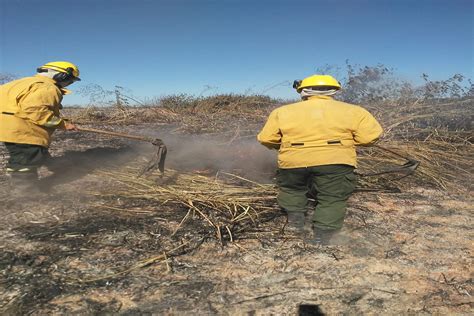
{"x": 318, "y": 131}
{"x": 29, "y": 110}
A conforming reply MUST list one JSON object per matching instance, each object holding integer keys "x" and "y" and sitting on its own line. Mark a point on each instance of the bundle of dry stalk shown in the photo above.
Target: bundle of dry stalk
{"x": 227, "y": 203}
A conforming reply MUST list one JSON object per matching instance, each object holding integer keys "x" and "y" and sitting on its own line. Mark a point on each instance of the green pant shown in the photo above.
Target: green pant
{"x": 332, "y": 184}
{"x": 25, "y": 157}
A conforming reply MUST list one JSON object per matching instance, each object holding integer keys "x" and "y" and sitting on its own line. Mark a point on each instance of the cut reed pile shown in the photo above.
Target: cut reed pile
{"x": 227, "y": 204}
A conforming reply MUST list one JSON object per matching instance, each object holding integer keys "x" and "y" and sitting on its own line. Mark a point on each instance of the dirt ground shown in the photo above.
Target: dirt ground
{"x": 62, "y": 251}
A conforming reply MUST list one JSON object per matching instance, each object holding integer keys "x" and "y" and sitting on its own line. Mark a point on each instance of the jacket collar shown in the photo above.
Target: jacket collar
{"x": 326, "y": 97}
{"x": 46, "y": 79}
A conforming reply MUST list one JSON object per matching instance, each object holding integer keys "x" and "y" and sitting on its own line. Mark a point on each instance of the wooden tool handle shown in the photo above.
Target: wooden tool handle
{"x": 99, "y": 131}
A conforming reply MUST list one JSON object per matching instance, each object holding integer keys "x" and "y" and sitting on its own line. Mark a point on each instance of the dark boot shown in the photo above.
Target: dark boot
{"x": 296, "y": 221}
{"x": 322, "y": 237}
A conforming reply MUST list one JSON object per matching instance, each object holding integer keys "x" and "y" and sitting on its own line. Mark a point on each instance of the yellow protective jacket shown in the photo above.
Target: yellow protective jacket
{"x": 318, "y": 131}
{"x": 29, "y": 110}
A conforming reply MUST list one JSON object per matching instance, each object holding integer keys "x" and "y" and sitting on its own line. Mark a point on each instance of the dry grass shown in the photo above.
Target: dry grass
{"x": 228, "y": 204}
{"x": 439, "y": 134}
{"x": 445, "y": 165}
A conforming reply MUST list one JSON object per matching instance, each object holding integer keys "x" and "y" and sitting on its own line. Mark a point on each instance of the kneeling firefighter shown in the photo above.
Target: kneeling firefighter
{"x": 316, "y": 140}
{"x": 29, "y": 114}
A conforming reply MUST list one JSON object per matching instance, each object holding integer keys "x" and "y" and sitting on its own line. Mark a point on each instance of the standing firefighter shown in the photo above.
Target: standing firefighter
{"x": 316, "y": 140}
{"x": 29, "y": 114}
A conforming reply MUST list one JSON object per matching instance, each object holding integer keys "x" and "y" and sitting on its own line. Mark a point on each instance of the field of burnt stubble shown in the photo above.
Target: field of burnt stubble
{"x": 207, "y": 236}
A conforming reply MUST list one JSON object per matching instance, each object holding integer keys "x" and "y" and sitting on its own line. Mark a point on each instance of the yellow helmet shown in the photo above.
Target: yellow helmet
{"x": 316, "y": 81}
{"x": 64, "y": 67}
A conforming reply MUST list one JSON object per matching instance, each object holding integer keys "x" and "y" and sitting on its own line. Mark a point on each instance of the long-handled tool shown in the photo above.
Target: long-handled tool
{"x": 158, "y": 161}
{"x": 407, "y": 168}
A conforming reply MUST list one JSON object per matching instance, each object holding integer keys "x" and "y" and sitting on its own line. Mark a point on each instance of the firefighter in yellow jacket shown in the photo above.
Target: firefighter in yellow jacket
{"x": 316, "y": 141}
{"x": 29, "y": 114}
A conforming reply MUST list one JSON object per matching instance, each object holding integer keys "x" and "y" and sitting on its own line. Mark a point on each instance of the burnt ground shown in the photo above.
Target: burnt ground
{"x": 63, "y": 251}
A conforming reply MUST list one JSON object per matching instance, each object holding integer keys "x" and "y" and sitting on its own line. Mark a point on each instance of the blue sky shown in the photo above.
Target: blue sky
{"x": 156, "y": 48}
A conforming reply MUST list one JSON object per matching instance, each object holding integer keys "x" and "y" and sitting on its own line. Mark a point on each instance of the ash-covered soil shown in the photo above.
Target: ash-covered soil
{"x": 65, "y": 250}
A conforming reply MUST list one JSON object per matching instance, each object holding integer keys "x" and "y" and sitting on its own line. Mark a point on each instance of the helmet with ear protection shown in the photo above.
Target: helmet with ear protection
{"x": 66, "y": 70}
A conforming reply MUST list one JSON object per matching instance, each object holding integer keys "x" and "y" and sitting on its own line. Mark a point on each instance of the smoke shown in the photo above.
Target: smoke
{"x": 73, "y": 165}
{"x": 208, "y": 154}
